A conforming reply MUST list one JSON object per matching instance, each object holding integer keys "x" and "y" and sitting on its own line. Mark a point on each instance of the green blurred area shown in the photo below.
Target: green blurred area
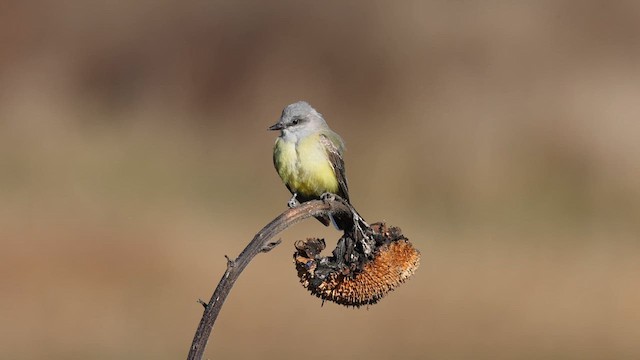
{"x": 502, "y": 137}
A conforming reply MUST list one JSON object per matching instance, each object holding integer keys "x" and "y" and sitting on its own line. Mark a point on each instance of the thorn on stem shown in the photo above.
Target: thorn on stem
{"x": 270, "y": 245}
{"x": 230, "y": 263}
{"x": 201, "y": 302}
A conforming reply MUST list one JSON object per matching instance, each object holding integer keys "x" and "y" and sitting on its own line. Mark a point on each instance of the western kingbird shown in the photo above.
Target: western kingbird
{"x": 308, "y": 157}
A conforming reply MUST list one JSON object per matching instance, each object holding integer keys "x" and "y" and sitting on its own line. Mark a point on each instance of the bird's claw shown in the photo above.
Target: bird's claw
{"x": 293, "y": 202}
{"x": 327, "y": 197}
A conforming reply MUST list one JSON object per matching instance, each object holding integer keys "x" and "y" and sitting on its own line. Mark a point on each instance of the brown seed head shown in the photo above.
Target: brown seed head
{"x": 356, "y": 283}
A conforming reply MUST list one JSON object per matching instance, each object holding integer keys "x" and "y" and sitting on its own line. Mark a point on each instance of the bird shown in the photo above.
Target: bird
{"x": 308, "y": 156}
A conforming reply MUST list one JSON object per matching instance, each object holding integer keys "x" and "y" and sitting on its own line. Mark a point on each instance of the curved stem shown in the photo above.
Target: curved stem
{"x": 260, "y": 243}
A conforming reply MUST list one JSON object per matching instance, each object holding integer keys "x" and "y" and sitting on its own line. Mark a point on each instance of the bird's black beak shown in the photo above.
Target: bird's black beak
{"x": 276, "y": 126}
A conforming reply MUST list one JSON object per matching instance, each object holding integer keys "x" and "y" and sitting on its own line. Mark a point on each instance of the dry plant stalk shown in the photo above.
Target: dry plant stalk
{"x": 364, "y": 266}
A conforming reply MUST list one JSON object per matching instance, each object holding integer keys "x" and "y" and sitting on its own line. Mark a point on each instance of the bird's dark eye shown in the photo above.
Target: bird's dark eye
{"x": 295, "y": 121}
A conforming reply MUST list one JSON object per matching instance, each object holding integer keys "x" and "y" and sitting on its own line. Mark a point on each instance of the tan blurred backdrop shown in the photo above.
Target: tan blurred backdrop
{"x": 502, "y": 137}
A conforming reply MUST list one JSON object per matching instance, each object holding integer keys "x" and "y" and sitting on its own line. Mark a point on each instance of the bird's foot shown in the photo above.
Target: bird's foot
{"x": 293, "y": 202}
{"x": 327, "y": 197}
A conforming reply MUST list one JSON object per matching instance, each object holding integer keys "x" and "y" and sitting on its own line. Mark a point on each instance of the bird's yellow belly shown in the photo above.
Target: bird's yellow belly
{"x": 305, "y": 168}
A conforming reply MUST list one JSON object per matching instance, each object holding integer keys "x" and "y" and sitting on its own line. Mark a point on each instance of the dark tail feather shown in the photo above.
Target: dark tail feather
{"x": 324, "y": 219}
{"x": 341, "y": 222}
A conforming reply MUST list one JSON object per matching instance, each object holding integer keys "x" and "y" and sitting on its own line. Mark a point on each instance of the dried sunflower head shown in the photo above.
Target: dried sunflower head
{"x": 356, "y": 275}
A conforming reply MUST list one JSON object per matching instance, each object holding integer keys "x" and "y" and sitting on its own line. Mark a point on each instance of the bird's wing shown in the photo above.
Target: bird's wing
{"x": 334, "y": 147}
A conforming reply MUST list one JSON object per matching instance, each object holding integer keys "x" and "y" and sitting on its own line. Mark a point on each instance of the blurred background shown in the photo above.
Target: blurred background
{"x": 502, "y": 137}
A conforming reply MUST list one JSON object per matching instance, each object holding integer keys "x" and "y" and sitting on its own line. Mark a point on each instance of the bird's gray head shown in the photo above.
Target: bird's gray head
{"x": 299, "y": 120}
